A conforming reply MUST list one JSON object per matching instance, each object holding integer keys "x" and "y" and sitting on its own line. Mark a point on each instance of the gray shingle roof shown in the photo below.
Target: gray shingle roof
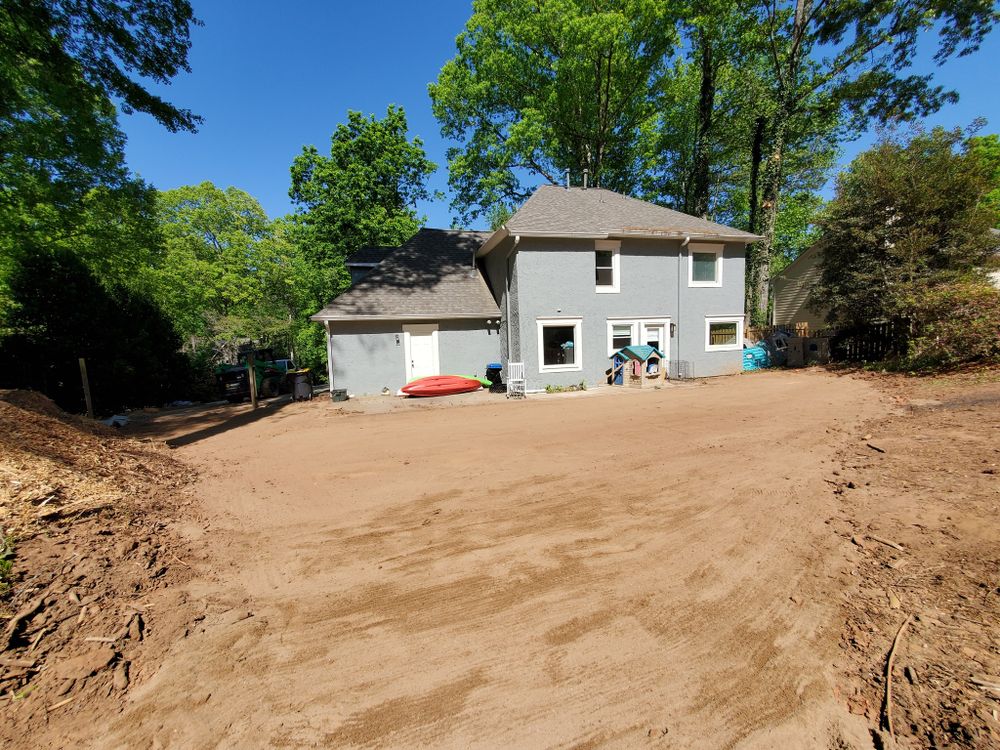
{"x": 430, "y": 276}
{"x": 557, "y": 210}
{"x": 370, "y": 255}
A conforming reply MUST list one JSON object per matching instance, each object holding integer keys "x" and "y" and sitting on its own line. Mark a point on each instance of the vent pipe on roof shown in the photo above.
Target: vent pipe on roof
{"x": 567, "y": 179}
{"x": 586, "y": 174}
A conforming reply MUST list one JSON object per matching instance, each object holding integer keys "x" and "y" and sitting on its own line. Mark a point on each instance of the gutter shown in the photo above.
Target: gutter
{"x": 320, "y": 318}
{"x": 503, "y": 233}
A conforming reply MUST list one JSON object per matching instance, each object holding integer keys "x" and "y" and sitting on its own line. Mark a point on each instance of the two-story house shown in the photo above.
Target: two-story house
{"x": 574, "y": 275}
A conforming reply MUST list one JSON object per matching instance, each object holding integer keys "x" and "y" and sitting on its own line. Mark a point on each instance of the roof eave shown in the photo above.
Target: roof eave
{"x": 652, "y": 235}
{"x": 320, "y": 317}
{"x": 494, "y": 239}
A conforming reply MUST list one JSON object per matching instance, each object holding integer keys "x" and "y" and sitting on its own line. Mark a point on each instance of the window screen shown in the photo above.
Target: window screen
{"x": 703, "y": 267}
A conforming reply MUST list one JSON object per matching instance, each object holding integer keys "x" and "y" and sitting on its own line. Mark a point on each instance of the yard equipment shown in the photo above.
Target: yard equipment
{"x": 234, "y": 385}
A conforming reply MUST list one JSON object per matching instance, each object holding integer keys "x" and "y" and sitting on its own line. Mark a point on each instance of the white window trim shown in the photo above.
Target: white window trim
{"x": 577, "y": 324}
{"x": 420, "y": 328}
{"x": 638, "y": 324}
{"x": 699, "y": 247}
{"x": 737, "y": 319}
{"x": 633, "y": 323}
{"x": 615, "y": 247}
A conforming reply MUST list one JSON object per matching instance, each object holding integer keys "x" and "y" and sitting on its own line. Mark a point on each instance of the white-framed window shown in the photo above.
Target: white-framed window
{"x": 723, "y": 333}
{"x": 560, "y": 344}
{"x": 621, "y": 333}
{"x": 626, "y": 331}
{"x": 607, "y": 266}
{"x": 704, "y": 264}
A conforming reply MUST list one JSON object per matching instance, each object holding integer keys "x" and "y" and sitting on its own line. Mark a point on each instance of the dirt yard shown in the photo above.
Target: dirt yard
{"x": 693, "y": 567}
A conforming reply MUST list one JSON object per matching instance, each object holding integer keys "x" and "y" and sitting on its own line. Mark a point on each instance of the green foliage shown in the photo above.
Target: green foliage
{"x": 364, "y": 193}
{"x": 133, "y": 354}
{"x": 906, "y": 216}
{"x": 67, "y": 51}
{"x": 954, "y": 323}
{"x": 847, "y": 60}
{"x": 545, "y": 87}
{"x": 987, "y": 149}
{"x": 6, "y": 562}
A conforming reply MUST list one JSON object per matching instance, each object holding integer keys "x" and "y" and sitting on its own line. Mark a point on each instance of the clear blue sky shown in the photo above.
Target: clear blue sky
{"x": 271, "y": 77}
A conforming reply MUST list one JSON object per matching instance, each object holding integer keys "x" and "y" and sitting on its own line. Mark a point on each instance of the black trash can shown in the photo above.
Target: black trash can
{"x": 301, "y": 384}
{"x": 493, "y": 374}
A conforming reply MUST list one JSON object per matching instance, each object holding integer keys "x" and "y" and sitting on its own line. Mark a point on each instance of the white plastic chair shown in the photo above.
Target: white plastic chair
{"x": 515, "y": 380}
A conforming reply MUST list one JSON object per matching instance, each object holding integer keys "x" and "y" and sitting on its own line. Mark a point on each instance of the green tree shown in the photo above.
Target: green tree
{"x": 987, "y": 148}
{"x": 907, "y": 216}
{"x": 66, "y": 50}
{"x": 539, "y": 88}
{"x": 224, "y": 275}
{"x": 848, "y": 57}
{"x": 364, "y": 193}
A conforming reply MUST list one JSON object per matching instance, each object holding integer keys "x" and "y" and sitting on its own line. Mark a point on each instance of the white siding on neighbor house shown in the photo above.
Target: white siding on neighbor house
{"x": 791, "y": 291}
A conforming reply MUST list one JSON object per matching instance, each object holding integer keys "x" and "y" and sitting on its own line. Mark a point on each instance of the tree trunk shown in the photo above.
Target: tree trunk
{"x": 756, "y": 158}
{"x": 789, "y": 89}
{"x": 698, "y": 199}
{"x": 753, "y": 221}
{"x": 772, "y": 196}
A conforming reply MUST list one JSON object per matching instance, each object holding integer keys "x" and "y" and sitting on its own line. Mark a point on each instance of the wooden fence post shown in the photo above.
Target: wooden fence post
{"x": 86, "y": 388}
{"x": 252, "y": 375}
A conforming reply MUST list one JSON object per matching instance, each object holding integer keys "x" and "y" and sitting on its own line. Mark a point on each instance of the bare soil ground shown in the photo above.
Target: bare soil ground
{"x": 687, "y": 568}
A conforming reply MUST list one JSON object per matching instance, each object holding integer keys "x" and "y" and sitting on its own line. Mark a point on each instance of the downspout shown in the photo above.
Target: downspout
{"x": 680, "y": 268}
{"x": 509, "y": 277}
{"x": 329, "y": 354}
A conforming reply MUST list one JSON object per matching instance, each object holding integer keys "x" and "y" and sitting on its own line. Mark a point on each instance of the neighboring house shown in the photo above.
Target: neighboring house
{"x": 791, "y": 288}
{"x": 361, "y": 262}
{"x": 571, "y": 277}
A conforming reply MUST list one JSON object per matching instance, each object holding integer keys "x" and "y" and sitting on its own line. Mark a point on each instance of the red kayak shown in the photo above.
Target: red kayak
{"x": 441, "y": 385}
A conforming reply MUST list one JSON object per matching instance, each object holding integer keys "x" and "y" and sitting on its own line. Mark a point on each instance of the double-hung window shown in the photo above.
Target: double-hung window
{"x": 704, "y": 264}
{"x": 624, "y": 332}
{"x": 621, "y": 335}
{"x": 723, "y": 334}
{"x": 607, "y": 266}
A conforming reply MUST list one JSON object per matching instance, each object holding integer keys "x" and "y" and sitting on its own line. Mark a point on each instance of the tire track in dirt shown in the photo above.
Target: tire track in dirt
{"x": 573, "y": 581}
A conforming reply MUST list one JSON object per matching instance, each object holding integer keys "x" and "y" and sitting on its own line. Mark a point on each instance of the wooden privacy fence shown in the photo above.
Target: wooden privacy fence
{"x": 753, "y": 334}
{"x": 871, "y": 342}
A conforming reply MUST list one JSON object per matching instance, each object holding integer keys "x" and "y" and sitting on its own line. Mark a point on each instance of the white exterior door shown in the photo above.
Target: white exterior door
{"x": 657, "y": 333}
{"x": 421, "y": 350}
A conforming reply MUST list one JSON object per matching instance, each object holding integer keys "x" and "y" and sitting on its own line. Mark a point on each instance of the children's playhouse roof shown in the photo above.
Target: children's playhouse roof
{"x": 641, "y": 352}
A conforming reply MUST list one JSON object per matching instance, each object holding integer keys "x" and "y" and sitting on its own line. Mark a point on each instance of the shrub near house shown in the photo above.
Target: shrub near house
{"x": 908, "y": 236}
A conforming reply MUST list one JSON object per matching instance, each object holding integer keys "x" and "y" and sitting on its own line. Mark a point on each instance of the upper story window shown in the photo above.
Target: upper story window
{"x": 607, "y": 266}
{"x": 704, "y": 264}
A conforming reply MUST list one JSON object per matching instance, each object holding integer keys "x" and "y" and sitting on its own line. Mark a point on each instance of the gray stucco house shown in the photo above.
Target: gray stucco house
{"x": 574, "y": 275}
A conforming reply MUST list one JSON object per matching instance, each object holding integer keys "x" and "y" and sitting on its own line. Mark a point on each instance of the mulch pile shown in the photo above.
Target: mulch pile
{"x": 85, "y": 510}
{"x": 920, "y": 496}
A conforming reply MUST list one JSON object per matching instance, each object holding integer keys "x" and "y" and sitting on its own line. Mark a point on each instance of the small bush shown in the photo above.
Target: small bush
{"x": 6, "y": 562}
{"x": 954, "y": 323}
